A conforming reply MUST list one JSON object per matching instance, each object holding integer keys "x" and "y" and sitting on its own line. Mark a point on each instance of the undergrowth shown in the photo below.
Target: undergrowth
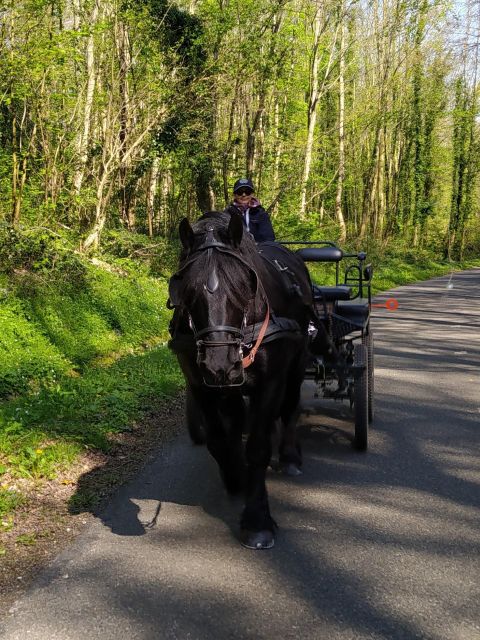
{"x": 82, "y": 356}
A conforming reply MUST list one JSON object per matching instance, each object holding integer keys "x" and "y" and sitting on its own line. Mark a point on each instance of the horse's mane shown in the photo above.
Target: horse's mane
{"x": 219, "y": 221}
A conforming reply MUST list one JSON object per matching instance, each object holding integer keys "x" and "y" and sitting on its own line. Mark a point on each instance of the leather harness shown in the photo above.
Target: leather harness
{"x": 270, "y": 329}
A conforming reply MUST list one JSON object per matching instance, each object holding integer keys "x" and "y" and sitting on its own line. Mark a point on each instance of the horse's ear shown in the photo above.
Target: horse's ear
{"x": 235, "y": 229}
{"x": 187, "y": 236}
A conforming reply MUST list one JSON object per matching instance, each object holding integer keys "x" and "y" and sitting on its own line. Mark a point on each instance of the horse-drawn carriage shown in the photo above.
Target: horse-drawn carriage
{"x": 344, "y": 311}
{"x": 248, "y": 323}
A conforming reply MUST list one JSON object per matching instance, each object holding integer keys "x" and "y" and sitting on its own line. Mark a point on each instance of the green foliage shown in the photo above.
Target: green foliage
{"x": 77, "y": 366}
{"x": 180, "y": 30}
{"x": 134, "y": 307}
{"x": 165, "y": 260}
{"x": 9, "y": 501}
{"x": 27, "y": 453}
{"x": 27, "y": 539}
{"x": 42, "y": 432}
{"x": 75, "y": 325}
{"x": 39, "y": 251}
{"x": 50, "y": 330}
{"x": 131, "y": 251}
{"x": 292, "y": 227}
{"x": 26, "y": 355}
{"x": 121, "y": 243}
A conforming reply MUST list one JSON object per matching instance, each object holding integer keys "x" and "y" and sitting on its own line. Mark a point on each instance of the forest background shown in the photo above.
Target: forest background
{"x": 357, "y": 121}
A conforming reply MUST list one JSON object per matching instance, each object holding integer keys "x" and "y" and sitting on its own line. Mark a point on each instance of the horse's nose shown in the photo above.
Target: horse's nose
{"x": 235, "y": 372}
{"x": 221, "y": 366}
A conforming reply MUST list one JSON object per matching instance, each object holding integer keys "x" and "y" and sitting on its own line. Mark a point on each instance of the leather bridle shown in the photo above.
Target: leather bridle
{"x": 237, "y": 334}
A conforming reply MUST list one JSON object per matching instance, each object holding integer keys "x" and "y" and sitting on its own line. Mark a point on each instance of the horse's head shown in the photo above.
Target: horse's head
{"x": 216, "y": 287}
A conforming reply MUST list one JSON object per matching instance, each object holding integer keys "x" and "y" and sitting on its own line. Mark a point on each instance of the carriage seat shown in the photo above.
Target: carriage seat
{"x": 331, "y": 294}
{"x": 356, "y": 311}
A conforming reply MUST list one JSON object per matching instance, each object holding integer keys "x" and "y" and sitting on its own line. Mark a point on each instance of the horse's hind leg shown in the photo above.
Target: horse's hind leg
{"x": 290, "y": 455}
{"x": 194, "y": 418}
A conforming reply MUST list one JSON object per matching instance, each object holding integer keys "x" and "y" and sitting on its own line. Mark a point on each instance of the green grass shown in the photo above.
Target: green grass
{"x": 25, "y": 353}
{"x": 78, "y": 363}
{"x": 110, "y": 313}
{"x": 9, "y": 501}
{"x": 42, "y": 432}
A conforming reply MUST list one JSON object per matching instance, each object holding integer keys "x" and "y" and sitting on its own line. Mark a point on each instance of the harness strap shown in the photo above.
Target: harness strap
{"x": 248, "y": 360}
{"x": 276, "y": 325}
{"x": 220, "y": 327}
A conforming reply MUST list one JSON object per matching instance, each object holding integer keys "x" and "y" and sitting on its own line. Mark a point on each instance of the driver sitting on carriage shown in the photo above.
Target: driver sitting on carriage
{"x": 255, "y": 218}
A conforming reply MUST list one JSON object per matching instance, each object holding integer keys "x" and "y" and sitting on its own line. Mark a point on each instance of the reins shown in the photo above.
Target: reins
{"x": 248, "y": 360}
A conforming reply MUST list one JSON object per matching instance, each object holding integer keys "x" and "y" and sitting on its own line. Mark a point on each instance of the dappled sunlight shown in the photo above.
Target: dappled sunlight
{"x": 405, "y": 510}
{"x": 463, "y": 464}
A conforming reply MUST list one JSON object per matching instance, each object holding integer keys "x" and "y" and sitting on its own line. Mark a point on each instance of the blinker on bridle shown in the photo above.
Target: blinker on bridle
{"x": 211, "y": 286}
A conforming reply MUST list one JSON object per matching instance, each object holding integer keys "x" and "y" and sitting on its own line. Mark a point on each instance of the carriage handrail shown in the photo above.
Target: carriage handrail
{"x": 358, "y": 279}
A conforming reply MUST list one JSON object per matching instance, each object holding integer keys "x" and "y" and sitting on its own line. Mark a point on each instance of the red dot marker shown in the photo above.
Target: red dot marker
{"x": 391, "y": 304}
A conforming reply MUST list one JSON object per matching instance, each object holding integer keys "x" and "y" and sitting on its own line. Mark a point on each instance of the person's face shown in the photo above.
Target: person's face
{"x": 243, "y": 195}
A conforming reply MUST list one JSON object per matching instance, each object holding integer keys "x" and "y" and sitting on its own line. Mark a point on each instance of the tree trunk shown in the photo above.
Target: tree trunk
{"x": 341, "y": 133}
{"x": 126, "y": 215}
{"x": 92, "y": 241}
{"x": 278, "y": 154}
{"x": 83, "y": 136}
{"x": 312, "y": 109}
{"x": 152, "y": 189}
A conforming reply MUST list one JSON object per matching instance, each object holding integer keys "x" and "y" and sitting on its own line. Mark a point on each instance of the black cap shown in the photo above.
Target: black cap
{"x": 243, "y": 183}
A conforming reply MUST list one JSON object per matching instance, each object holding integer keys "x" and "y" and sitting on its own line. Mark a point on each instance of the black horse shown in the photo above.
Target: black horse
{"x": 239, "y": 331}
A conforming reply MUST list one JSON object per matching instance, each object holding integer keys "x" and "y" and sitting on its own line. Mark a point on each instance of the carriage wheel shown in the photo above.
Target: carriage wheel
{"x": 367, "y": 340}
{"x": 360, "y": 401}
{"x": 193, "y": 418}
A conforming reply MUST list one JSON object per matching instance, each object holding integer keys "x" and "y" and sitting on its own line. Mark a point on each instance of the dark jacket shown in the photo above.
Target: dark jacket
{"x": 259, "y": 223}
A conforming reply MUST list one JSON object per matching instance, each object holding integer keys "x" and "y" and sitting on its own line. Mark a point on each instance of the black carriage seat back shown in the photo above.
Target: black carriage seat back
{"x": 320, "y": 254}
{"x": 328, "y": 253}
{"x": 355, "y": 311}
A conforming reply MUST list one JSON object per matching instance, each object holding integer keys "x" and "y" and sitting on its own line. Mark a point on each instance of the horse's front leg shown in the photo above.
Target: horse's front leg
{"x": 257, "y": 525}
{"x": 224, "y": 418}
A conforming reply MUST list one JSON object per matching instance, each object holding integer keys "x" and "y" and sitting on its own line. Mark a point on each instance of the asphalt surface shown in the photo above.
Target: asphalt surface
{"x": 382, "y": 545}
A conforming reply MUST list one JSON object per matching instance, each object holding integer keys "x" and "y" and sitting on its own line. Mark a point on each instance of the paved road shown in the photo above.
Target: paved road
{"x": 383, "y": 545}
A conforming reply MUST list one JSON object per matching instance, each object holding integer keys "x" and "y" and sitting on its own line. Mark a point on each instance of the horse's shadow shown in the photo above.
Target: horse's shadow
{"x": 137, "y": 507}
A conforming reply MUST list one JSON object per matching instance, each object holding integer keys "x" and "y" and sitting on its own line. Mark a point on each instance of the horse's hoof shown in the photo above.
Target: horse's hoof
{"x": 257, "y": 539}
{"x": 290, "y": 469}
